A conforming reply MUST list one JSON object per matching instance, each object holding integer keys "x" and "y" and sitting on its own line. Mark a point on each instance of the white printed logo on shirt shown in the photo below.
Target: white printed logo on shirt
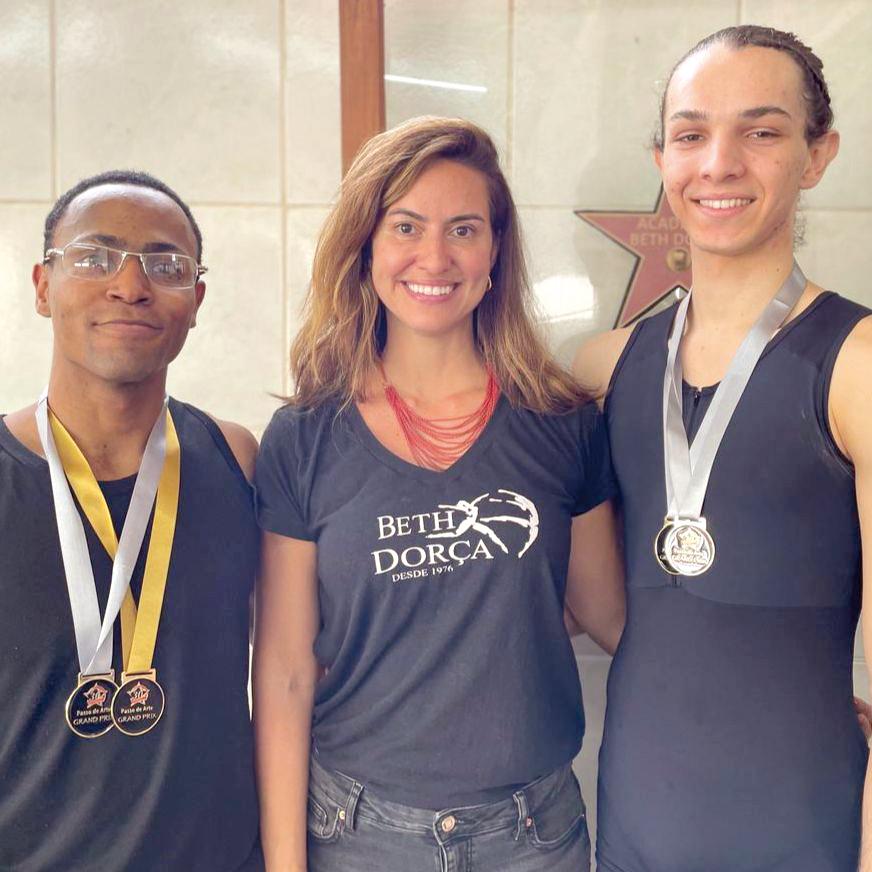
{"x": 479, "y": 529}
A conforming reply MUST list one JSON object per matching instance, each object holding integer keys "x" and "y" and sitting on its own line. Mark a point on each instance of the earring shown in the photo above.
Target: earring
{"x": 489, "y": 284}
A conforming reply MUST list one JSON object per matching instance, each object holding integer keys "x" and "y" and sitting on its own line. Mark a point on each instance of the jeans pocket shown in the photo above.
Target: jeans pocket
{"x": 558, "y": 820}
{"x": 323, "y": 824}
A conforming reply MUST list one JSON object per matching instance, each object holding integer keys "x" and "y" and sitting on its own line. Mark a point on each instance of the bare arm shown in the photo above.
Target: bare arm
{"x": 594, "y": 602}
{"x": 596, "y": 359}
{"x": 283, "y": 681}
{"x": 851, "y": 422}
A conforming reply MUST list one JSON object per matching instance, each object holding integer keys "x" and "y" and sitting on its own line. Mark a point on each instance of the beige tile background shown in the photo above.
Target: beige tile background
{"x": 25, "y": 97}
{"x": 235, "y": 103}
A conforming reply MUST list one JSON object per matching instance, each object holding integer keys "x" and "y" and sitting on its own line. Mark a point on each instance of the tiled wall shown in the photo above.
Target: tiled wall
{"x": 236, "y": 104}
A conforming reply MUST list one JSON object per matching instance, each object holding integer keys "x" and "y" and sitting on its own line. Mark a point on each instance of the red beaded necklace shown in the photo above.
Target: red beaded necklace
{"x": 437, "y": 442}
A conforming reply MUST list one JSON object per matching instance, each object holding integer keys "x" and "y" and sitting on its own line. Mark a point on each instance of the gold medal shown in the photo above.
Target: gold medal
{"x": 136, "y": 706}
{"x": 89, "y": 706}
{"x": 684, "y": 547}
{"x": 138, "y": 703}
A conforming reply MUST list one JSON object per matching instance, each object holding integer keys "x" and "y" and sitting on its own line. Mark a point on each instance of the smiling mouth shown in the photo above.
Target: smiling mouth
{"x": 430, "y": 290}
{"x": 141, "y": 326}
{"x": 732, "y": 203}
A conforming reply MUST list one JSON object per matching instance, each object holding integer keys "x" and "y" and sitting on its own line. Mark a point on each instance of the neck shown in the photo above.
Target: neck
{"x": 432, "y": 367}
{"x": 110, "y": 423}
{"x": 732, "y": 291}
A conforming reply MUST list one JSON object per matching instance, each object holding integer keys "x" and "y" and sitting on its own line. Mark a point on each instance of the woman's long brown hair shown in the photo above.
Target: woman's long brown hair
{"x": 344, "y": 329}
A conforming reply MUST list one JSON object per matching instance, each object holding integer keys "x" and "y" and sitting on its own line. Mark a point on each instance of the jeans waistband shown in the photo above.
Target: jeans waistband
{"x": 353, "y": 799}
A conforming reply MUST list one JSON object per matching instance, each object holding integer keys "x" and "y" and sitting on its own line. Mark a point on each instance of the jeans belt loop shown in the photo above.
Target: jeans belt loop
{"x": 351, "y": 804}
{"x": 523, "y": 812}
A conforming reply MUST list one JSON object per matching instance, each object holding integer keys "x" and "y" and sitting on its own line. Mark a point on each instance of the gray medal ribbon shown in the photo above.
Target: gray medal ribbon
{"x": 93, "y": 636}
{"x": 688, "y": 469}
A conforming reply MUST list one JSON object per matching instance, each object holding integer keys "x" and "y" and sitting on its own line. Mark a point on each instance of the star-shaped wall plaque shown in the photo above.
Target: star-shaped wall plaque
{"x": 662, "y": 252}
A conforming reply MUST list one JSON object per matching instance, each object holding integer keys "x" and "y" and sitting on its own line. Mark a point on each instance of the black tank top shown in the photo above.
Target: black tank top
{"x": 730, "y": 739}
{"x": 181, "y": 797}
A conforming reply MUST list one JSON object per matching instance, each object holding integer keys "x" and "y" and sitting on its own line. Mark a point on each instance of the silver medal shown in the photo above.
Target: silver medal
{"x": 685, "y": 546}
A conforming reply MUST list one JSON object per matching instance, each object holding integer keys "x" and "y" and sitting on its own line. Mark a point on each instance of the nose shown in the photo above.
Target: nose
{"x": 433, "y": 254}
{"x": 130, "y": 284}
{"x": 722, "y": 160}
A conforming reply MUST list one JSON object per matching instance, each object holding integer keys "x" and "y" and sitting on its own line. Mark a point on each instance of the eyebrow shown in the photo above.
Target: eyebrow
{"x": 755, "y": 112}
{"x": 760, "y": 111}
{"x": 471, "y": 216}
{"x": 117, "y": 242}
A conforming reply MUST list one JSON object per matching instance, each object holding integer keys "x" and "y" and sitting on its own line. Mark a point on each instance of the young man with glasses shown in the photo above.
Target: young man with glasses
{"x": 128, "y": 547}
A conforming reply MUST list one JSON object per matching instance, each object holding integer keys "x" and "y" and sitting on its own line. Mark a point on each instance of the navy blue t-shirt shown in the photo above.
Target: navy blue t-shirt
{"x": 451, "y": 677}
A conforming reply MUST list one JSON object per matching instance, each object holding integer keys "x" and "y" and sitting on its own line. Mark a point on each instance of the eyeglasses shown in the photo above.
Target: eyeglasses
{"x": 166, "y": 269}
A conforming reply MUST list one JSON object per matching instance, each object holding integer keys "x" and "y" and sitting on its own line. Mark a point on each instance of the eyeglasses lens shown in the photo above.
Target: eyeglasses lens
{"x": 90, "y": 261}
{"x": 171, "y": 270}
{"x": 96, "y": 262}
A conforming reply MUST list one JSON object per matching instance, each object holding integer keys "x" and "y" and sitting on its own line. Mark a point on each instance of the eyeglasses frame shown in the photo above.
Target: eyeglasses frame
{"x": 52, "y": 252}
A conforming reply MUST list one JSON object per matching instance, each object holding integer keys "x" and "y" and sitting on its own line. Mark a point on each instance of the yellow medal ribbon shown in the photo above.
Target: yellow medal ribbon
{"x": 138, "y": 630}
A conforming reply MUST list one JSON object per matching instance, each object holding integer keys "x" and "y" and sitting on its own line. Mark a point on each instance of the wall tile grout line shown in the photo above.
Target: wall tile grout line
{"x": 532, "y": 207}
{"x": 17, "y": 201}
{"x": 194, "y": 204}
{"x": 54, "y": 168}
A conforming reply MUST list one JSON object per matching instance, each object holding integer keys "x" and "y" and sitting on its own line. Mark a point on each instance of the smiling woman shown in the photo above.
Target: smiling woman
{"x": 345, "y": 330}
{"x": 430, "y": 263}
{"x": 428, "y": 496}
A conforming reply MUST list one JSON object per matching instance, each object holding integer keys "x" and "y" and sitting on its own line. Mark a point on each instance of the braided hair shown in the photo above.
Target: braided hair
{"x": 817, "y": 96}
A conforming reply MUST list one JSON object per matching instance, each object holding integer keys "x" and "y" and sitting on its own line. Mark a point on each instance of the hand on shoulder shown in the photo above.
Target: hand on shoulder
{"x": 595, "y": 360}
{"x": 242, "y": 443}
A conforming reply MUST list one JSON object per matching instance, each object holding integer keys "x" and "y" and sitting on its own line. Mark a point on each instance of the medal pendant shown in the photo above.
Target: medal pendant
{"x": 684, "y": 547}
{"x": 138, "y": 703}
{"x": 89, "y": 706}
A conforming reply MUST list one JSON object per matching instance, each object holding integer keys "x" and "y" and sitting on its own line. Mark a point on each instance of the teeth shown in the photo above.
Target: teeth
{"x": 430, "y": 290}
{"x": 724, "y": 204}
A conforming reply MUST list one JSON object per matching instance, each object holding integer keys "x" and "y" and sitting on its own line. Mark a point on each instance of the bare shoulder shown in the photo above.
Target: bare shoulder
{"x": 850, "y": 398}
{"x": 242, "y": 443}
{"x": 22, "y": 425}
{"x": 596, "y": 359}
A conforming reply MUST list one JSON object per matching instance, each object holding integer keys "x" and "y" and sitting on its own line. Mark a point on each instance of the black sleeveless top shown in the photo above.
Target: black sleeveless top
{"x": 730, "y": 740}
{"x": 182, "y": 796}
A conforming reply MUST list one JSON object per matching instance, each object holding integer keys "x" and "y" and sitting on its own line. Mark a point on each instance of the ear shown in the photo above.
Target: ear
{"x": 495, "y": 250}
{"x": 657, "y": 154}
{"x": 39, "y": 276}
{"x": 820, "y": 153}
{"x": 199, "y": 295}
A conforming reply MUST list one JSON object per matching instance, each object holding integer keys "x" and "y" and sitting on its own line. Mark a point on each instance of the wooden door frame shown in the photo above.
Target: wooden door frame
{"x": 362, "y": 73}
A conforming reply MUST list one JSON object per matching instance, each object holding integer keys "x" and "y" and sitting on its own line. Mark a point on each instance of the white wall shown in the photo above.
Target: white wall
{"x": 235, "y": 103}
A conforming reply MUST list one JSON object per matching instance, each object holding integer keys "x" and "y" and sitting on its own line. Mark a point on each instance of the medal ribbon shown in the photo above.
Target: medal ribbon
{"x": 688, "y": 469}
{"x": 90, "y": 498}
{"x": 157, "y": 562}
{"x": 160, "y": 463}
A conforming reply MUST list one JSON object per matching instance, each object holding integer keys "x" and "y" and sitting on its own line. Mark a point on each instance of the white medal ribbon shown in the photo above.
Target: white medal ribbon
{"x": 93, "y": 637}
{"x": 688, "y": 469}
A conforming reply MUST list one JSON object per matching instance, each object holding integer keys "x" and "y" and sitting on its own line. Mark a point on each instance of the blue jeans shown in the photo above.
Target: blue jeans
{"x": 541, "y": 828}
